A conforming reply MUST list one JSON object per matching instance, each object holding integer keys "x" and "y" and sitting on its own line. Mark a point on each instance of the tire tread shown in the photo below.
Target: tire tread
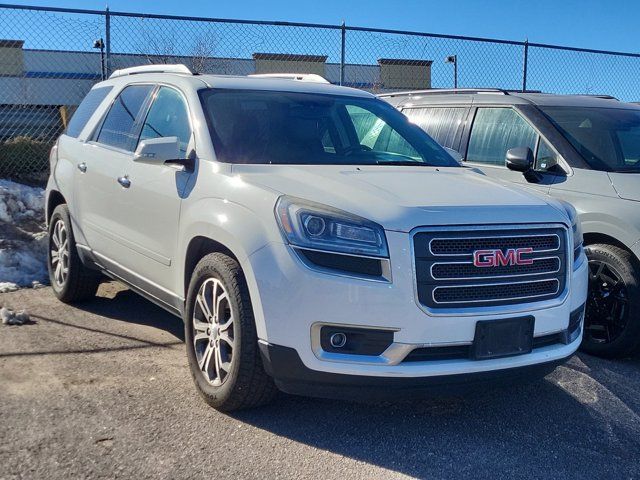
{"x": 82, "y": 282}
{"x": 252, "y": 387}
{"x": 629, "y": 342}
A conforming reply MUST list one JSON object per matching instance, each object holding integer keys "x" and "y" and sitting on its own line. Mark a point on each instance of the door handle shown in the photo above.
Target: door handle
{"x": 124, "y": 181}
{"x": 82, "y": 167}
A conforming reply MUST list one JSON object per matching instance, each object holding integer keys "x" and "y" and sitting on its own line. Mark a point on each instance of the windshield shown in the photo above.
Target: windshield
{"x": 607, "y": 138}
{"x": 249, "y": 126}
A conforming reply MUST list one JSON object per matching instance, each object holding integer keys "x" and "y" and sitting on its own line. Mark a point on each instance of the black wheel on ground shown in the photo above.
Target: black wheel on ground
{"x": 70, "y": 279}
{"x": 221, "y": 339}
{"x": 612, "y": 320}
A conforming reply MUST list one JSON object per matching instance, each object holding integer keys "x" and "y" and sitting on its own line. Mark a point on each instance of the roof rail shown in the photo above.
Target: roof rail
{"x": 300, "y": 77}
{"x": 156, "y": 68}
{"x": 443, "y": 91}
{"x": 605, "y": 97}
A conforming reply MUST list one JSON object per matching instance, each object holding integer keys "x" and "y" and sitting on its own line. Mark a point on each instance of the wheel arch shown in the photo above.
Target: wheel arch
{"x": 198, "y": 247}
{"x": 592, "y": 238}
{"x": 54, "y": 199}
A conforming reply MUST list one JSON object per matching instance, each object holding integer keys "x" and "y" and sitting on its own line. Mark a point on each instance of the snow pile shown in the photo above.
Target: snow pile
{"x": 23, "y": 239}
{"x": 20, "y": 202}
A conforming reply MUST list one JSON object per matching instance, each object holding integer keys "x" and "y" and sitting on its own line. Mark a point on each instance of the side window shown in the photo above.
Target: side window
{"x": 374, "y": 133}
{"x": 168, "y": 117}
{"x": 86, "y": 108}
{"x": 496, "y": 130}
{"x": 546, "y": 158}
{"x": 442, "y": 124}
{"x": 118, "y": 128}
{"x": 629, "y": 139}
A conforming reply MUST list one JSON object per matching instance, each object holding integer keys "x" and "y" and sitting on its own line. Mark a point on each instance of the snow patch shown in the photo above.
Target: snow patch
{"x": 23, "y": 239}
{"x": 19, "y": 202}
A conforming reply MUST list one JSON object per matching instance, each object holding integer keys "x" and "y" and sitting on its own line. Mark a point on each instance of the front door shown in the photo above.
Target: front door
{"x": 498, "y": 129}
{"x": 150, "y": 214}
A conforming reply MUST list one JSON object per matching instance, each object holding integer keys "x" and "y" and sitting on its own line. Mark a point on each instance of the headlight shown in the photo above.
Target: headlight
{"x": 576, "y": 227}
{"x": 312, "y": 225}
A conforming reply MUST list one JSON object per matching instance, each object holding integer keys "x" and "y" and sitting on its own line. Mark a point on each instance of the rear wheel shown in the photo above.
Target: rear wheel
{"x": 221, "y": 339}
{"x": 70, "y": 279}
{"x": 612, "y": 320}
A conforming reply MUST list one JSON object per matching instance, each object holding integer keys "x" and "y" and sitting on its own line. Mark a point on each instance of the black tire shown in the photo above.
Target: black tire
{"x": 612, "y": 322}
{"x": 246, "y": 384}
{"x": 80, "y": 283}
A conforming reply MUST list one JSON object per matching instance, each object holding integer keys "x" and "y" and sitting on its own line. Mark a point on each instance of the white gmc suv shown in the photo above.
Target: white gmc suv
{"x": 311, "y": 237}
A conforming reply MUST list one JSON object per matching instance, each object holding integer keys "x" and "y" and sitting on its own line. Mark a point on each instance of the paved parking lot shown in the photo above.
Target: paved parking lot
{"x": 103, "y": 391}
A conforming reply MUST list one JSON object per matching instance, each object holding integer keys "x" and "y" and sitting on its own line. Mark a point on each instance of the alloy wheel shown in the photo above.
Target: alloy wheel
{"x": 607, "y": 303}
{"x": 59, "y": 252}
{"x": 213, "y": 331}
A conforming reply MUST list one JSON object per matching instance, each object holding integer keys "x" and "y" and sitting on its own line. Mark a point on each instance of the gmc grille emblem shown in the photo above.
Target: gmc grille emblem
{"x": 498, "y": 258}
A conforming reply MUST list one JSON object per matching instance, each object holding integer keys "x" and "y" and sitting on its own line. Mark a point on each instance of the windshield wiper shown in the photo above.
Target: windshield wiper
{"x": 403, "y": 163}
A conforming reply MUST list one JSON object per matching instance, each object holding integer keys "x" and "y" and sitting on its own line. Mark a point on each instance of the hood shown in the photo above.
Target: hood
{"x": 627, "y": 185}
{"x": 402, "y": 198}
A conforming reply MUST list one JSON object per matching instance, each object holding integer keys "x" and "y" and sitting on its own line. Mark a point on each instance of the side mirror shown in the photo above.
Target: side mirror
{"x": 457, "y": 156}
{"x": 157, "y": 151}
{"x": 519, "y": 159}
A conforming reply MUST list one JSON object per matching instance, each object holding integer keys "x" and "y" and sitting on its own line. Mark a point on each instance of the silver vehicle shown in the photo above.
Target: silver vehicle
{"x": 583, "y": 149}
{"x": 285, "y": 220}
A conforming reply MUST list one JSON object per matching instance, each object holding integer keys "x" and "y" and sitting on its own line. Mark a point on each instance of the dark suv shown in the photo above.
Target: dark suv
{"x": 583, "y": 149}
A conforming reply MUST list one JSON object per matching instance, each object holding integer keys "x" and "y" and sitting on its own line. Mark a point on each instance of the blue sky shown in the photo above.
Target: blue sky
{"x": 609, "y": 25}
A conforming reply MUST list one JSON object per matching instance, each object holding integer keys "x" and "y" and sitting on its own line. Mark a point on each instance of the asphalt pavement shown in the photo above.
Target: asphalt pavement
{"x": 102, "y": 390}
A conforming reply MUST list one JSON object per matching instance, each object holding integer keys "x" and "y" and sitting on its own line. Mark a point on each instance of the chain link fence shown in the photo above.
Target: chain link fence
{"x": 51, "y": 57}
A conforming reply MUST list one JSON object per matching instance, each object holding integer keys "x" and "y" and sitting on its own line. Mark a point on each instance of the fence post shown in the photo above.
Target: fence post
{"x": 107, "y": 36}
{"x": 525, "y": 65}
{"x": 342, "y": 52}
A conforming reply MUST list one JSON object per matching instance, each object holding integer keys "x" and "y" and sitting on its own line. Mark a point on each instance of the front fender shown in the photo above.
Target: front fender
{"x": 610, "y": 225}
{"x": 239, "y": 229}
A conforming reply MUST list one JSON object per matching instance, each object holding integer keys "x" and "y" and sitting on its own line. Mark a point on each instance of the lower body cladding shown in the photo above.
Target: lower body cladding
{"x": 329, "y": 334}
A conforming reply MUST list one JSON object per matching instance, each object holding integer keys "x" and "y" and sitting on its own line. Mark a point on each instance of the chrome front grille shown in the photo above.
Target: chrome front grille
{"x": 447, "y": 277}
{"x": 465, "y": 246}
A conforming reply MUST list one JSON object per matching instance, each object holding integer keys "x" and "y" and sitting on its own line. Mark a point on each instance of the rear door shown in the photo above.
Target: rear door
{"x": 445, "y": 124}
{"x": 103, "y": 157}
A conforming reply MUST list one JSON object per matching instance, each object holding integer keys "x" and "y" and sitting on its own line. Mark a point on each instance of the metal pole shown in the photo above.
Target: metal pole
{"x": 103, "y": 73}
{"x": 455, "y": 71}
{"x": 342, "y": 52}
{"x": 107, "y": 26}
{"x": 525, "y": 65}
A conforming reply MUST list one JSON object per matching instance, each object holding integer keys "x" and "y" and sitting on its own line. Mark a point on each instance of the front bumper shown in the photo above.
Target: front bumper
{"x": 290, "y": 301}
{"x": 292, "y": 376}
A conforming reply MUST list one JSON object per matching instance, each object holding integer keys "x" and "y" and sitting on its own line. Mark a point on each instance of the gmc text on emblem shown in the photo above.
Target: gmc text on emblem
{"x": 498, "y": 258}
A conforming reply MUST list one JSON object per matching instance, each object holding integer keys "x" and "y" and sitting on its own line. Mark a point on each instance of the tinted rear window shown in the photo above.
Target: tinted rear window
{"x": 86, "y": 108}
{"x": 443, "y": 124}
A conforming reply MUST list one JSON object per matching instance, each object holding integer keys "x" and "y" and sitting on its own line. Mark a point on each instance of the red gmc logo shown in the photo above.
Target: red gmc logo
{"x": 498, "y": 258}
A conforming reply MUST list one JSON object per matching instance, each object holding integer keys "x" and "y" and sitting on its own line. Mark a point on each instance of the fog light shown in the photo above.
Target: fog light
{"x": 354, "y": 340}
{"x": 575, "y": 324}
{"x": 338, "y": 340}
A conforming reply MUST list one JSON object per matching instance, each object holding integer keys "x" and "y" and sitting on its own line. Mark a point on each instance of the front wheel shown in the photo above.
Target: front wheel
{"x": 221, "y": 339}
{"x": 612, "y": 319}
